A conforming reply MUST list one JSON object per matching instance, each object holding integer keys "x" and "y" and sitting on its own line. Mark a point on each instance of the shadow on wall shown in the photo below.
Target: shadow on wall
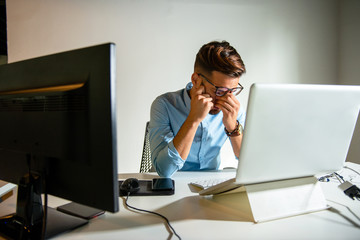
{"x": 354, "y": 150}
{"x": 3, "y": 59}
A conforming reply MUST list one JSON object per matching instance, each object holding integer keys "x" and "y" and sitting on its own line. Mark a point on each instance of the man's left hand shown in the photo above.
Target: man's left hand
{"x": 230, "y": 107}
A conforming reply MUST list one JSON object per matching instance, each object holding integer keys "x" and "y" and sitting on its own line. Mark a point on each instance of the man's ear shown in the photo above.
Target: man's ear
{"x": 195, "y": 79}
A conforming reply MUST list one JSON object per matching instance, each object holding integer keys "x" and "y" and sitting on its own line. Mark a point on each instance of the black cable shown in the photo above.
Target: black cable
{"x": 347, "y": 187}
{"x": 338, "y": 176}
{"x": 155, "y": 213}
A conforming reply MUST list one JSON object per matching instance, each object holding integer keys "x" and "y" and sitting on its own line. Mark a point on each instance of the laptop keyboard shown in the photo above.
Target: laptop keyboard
{"x": 206, "y": 183}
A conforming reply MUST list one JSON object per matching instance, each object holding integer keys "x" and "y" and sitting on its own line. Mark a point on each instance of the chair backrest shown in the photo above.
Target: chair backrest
{"x": 146, "y": 164}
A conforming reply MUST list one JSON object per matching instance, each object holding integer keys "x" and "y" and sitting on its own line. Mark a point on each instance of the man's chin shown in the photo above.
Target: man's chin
{"x": 214, "y": 111}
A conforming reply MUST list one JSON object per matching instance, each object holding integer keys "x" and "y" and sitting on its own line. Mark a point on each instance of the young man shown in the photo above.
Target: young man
{"x": 188, "y": 127}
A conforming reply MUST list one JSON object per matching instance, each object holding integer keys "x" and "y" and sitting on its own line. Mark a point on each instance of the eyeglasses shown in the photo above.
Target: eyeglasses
{"x": 221, "y": 91}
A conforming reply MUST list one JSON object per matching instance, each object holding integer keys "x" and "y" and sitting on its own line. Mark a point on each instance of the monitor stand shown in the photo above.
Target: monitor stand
{"x": 58, "y": 222}
{"x": 28, "y": 221}
{"x": 273, "y": 200}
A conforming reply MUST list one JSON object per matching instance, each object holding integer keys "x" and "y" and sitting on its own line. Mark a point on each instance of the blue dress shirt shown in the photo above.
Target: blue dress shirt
{"x": 168, "y": 113}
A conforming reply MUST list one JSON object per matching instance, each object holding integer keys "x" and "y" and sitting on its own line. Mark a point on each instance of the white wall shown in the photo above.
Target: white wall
{"x": 349, "y": 42}
{"x": 280, "y": 41}
{"x": 349, "y": 59}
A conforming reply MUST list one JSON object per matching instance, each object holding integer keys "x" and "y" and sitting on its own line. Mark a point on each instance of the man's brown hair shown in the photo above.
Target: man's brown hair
{"x": 221, "y": 57}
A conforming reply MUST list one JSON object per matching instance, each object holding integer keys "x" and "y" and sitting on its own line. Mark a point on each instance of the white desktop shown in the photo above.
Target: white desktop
{"x": 198, "y": 217}
{"x": 233, "y": 215}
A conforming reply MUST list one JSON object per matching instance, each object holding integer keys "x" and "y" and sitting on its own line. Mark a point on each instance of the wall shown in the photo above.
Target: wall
{"x": 349, "y": 59}
{"x": 279, "y": 40}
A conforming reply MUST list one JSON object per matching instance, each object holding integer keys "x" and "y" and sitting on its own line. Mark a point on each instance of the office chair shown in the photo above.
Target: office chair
{"x": 146, "y": 164}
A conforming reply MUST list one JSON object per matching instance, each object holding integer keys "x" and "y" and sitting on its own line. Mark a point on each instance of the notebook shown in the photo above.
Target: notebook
{"x": 294, "y": 131}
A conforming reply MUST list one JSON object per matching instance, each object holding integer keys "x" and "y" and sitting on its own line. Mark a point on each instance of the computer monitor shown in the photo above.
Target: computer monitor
{"x": 58, "y": 131}
{"x": 296, "y": 130}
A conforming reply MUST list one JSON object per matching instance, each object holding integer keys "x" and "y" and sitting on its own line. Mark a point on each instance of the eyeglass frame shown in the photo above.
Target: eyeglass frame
{"x": 227, "y": 89}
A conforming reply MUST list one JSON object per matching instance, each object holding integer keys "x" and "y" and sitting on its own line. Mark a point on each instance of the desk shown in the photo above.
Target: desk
{"x": 196, "y": 217}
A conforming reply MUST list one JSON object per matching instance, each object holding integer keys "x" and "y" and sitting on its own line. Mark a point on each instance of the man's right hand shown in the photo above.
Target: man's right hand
{"x": 201, "y": 103}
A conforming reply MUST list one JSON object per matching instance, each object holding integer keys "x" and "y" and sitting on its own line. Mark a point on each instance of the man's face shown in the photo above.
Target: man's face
{"x": 217, "y": 85}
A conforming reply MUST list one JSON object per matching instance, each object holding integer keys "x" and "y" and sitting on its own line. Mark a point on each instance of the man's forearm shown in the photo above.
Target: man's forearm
{"x": 184, "y": 138}
{"x": 236, "y": 144}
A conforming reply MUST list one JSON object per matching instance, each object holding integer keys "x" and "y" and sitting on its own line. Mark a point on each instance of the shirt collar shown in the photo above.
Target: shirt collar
{"x": 187, "y": 96}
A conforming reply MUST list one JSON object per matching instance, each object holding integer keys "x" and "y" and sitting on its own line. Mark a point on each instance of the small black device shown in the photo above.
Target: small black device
{"x": 162, "y": 184}
{"x": 130, "y": 185}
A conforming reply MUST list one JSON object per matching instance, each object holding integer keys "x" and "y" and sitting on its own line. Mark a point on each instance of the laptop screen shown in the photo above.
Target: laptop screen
{"x": 296, "y": 130}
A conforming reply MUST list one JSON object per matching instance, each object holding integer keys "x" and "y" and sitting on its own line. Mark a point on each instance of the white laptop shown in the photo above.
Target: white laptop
{"x": 294, "y": 131}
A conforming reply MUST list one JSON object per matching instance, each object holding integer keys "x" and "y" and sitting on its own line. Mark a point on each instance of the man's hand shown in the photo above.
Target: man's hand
{"x": 230, "y": 107}
{"x": 201, "y": 103}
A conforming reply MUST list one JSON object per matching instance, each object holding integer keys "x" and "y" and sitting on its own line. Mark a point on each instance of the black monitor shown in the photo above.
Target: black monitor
{"x": 58, "y": 132}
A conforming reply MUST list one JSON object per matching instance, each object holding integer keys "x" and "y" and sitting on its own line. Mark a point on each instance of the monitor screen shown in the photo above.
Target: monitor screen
{"x": 58, "y": 125}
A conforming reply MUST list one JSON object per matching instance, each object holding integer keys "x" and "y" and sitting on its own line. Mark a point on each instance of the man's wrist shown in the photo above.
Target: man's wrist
{"x": 236, "y": 132}
{"x": 192, "y": 123}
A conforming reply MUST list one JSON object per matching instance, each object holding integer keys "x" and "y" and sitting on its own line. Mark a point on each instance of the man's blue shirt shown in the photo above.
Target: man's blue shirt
{"x": 168, "y": 113}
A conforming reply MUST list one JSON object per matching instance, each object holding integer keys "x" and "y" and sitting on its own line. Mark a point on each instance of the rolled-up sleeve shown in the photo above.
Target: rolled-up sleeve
{"x": 165, "y": 158}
